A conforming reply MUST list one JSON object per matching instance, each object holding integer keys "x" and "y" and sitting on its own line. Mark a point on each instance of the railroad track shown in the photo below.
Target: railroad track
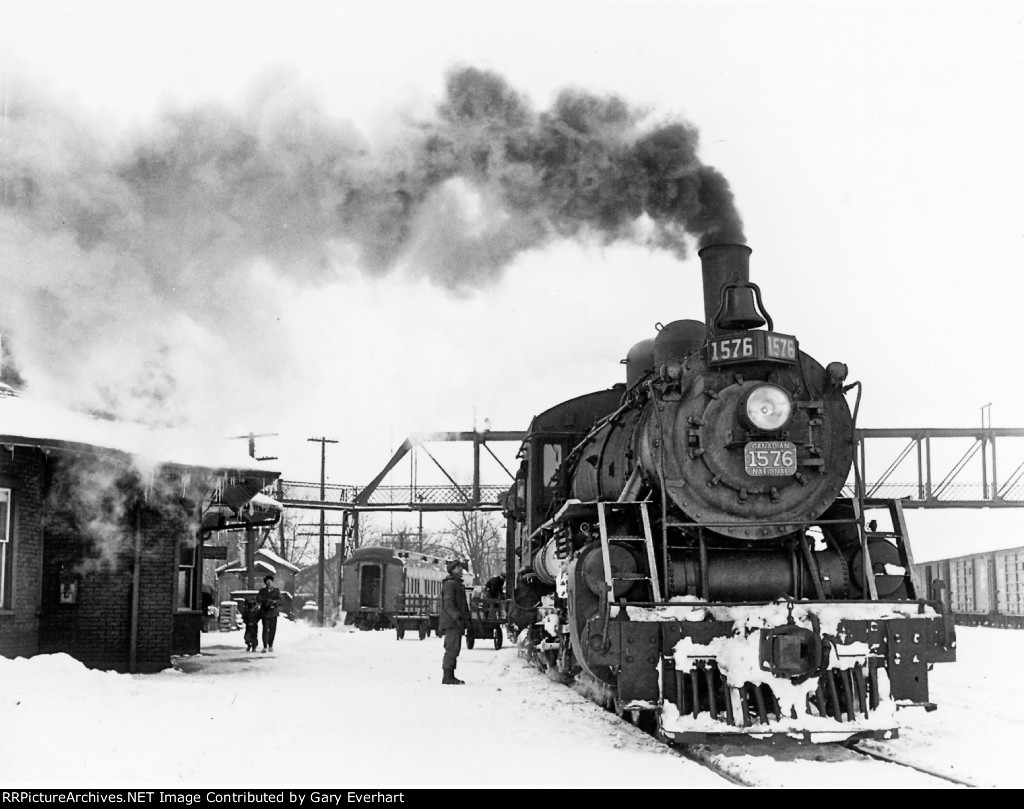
{"x": 880, "y": 756}
{"x": 781, "y": 764}
{"x": 813, "y": 765}
{"x": 788, "y": 763}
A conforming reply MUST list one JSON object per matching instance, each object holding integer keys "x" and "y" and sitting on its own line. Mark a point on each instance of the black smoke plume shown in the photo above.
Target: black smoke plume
{"x": 129, "y": 258}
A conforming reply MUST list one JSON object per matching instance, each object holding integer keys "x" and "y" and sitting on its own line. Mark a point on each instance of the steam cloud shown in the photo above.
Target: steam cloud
{"x": 90, "y": 517}
{"x": 131, "y": 261}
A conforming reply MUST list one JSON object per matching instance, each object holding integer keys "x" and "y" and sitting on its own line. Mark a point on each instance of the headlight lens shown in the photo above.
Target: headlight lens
{"x": 769, "y": 407}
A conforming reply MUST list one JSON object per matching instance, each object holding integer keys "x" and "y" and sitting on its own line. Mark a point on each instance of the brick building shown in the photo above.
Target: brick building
{"x": 101, "y": 534}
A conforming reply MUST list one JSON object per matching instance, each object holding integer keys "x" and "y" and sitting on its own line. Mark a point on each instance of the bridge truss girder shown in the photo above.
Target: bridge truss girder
{"x": 933, "y": 482}
{"x": 474, "y": 496}
{"x": 950, "y": 467}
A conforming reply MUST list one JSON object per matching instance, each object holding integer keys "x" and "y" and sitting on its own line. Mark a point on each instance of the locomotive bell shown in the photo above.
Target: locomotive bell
{"x": 738, "y": 310}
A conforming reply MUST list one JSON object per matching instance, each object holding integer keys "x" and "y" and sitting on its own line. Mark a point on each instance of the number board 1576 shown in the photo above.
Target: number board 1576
{"x": 750, "y": 346}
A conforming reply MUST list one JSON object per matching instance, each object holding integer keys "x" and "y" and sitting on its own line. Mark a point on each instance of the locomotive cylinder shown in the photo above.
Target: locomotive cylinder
{"x": 545, "y": 562}
{"x": 732, "y": 575}
{"x": 754, "y": 575}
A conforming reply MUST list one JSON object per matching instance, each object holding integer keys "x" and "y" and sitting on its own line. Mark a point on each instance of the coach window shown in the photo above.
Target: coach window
{"x": 6, "y": 549}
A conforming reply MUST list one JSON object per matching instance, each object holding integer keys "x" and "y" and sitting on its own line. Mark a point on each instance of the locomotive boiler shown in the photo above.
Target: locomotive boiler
{"x": 683, "y": 546}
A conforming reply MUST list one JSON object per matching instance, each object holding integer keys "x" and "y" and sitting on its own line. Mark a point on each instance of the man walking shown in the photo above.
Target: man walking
{"x": 269, "y": 599}
{"x": 453, "y": 620}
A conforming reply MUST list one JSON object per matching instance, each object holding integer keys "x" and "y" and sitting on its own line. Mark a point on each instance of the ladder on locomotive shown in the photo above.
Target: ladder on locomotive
{"x": 627, "y": 518}
{"x": 898, "y": 533}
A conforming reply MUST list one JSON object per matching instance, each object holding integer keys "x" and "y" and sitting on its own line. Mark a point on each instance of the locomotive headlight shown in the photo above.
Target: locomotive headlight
{"x": 768, "y": 407}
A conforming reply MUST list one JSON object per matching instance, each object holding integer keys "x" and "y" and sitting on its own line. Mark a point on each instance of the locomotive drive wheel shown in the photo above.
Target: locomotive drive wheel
{"x": 470, "y": 638}
{"x": 497, "y": 638}
{"x": 400, "y": 632}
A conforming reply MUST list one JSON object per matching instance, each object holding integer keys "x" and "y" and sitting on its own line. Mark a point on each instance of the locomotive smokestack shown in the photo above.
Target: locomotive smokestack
{"x": 722, "y": 264}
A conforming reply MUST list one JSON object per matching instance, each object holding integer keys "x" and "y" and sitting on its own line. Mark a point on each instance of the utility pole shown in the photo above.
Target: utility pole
{"x": 251, "y": 437}
{"x": 323, "y": 493}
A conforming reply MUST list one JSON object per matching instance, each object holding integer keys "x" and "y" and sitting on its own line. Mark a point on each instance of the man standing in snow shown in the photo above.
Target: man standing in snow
{"x": 269, "y": 599}
{"x": 453, "y": 620}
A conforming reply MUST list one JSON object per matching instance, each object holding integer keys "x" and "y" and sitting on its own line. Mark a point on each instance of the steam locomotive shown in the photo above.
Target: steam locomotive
{"x": 679, "y": 550}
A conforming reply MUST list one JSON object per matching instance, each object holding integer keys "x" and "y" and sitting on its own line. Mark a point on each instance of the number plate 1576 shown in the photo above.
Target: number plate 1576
{"x": 769, "y": 458}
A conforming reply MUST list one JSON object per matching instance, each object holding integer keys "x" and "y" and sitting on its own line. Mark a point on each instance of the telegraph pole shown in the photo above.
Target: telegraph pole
{"x": 251, "y": 437}
{"x": 323, "y": 493}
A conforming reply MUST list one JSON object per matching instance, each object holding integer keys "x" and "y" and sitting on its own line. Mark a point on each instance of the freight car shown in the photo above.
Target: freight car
{"x": 386, "y": 588}
{"x": 980, "y": 589}
{"x": 678, "y": 548}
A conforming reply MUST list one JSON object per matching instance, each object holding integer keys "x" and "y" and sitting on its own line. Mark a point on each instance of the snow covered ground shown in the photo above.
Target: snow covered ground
{"x": 335, "y": 708}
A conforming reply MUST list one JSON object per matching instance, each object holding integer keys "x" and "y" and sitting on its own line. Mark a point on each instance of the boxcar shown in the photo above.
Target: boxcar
{"x": 982, "y": 589}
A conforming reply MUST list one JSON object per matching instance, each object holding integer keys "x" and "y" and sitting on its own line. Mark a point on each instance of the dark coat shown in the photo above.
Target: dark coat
{"x": 269, "y": 599}
{"x": 251, "y": 614}
{"x": 454, "y": 607}
{"x": 494, "y": 587}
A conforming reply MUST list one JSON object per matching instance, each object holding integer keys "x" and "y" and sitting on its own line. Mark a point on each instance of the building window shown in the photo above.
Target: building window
{"x": 186, "y": 577}
{"x": 6, "y": 549}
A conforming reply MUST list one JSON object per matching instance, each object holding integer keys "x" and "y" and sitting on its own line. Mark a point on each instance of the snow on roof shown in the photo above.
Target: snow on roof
{"x": 238, "y": 566}
{"x": 263, "y": 501}
{"x": 277, "y": 560}
{"x": 270, "y": 561}
{"x": 26, "y": 419}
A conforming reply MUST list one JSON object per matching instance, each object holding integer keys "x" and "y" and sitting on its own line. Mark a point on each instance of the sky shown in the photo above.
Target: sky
{"x": 335, "y": 708}
{"x": 172, "y": 176}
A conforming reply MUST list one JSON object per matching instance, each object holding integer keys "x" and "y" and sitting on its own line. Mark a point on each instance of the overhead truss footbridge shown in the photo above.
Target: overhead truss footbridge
{"x": 981, "y": 467}
{"x": 472, "y": 495}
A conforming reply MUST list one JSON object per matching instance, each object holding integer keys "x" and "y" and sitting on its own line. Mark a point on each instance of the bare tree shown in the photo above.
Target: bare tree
{"x": 432, "y": 543}
{"x": 478, "y": 537}
{"x": 293, "y": 539}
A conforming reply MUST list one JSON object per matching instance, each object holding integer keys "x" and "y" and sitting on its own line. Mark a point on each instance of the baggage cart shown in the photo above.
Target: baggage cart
{"x": 487, "y": 620}
{"x": 416, "y": 613}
